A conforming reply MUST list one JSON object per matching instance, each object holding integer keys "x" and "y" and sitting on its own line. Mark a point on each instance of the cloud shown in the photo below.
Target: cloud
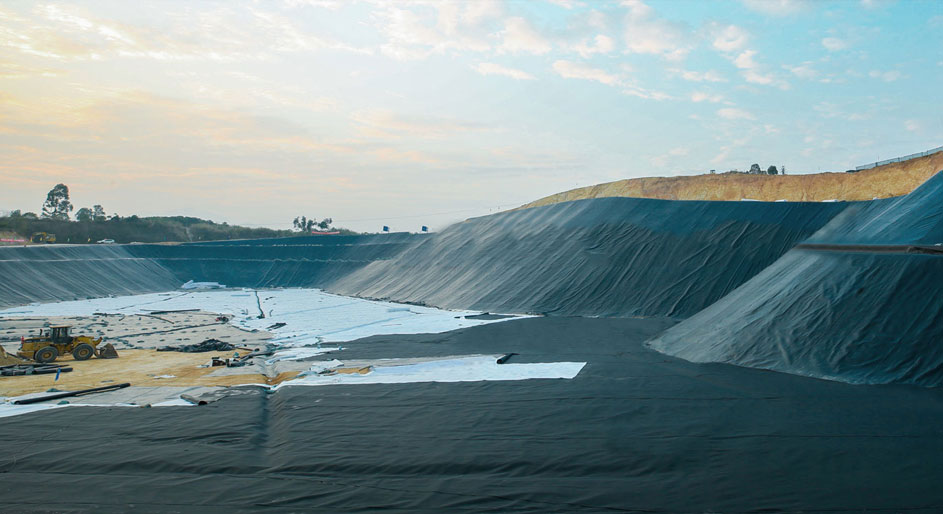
{"x": 487, "y": 68}
{"x": 602, "y": 44}
{"x": 567, "y": 4}
{"x": 647, "y": 34}
{"x": 699, "y": 76}
{"x": 777, "y": 7}
{"x": 519, "y": 36}
{"x": 803, "y": 71}
{"x": 435, "y": 27}
{"x": 730, "y": 38}
{"x": 699, "y": 96}
{"x": 833, "y": 44}
{"x": 745, "y": 61}
{"x": 732, "y": 113}
{"x": 913, "y": 125}
{"x": 752, "y": 71}
{"x": 573, "y": 70}
{"x": 886, "y": 76}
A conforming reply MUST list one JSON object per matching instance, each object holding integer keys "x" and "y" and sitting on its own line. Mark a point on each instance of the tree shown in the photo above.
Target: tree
{"x": 98, "y": 213}
{"x": 300, "y": 223}
{"x": 325, "y": 223}
{"x": 30, "y": 216}
{"x": 772, "y": 171}
{"x": 83, "y": 214}
{"x": 754, "y": 169}
{"x": 57, "y": 205}
{"x": 16, "y": 213}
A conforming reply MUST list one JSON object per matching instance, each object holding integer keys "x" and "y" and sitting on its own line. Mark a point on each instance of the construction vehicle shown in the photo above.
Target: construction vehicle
{"x": 56, "y": 341}
{"x": 43, "y": 237}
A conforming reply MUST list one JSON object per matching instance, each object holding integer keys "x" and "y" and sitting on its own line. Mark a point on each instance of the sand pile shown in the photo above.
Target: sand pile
{"x": 7, "y": 359}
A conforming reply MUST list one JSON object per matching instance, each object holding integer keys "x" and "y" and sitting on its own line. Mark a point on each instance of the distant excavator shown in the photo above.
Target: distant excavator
{"x": 56, "y": 341}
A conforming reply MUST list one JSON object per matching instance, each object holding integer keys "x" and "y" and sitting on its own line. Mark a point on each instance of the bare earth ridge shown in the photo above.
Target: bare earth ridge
{"x": 894, "y": 179}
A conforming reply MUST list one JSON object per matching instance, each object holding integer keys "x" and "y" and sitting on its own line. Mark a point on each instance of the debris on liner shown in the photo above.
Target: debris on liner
{"x": 209, "y": 345}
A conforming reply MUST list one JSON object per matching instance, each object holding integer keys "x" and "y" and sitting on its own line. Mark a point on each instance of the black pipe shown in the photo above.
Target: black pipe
{"x": 505, "y": 357}
{"x": 28, "y": 401}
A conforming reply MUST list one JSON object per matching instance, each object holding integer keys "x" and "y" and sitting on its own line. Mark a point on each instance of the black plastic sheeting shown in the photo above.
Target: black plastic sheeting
{"x": 635, "y": 431}
{"x": 66, "y": 272}
{"x": 71, "y": 272}
{"x": 854, "y": 315}
{"x": 599, "y": 257}
{"x": 309, "y": 261}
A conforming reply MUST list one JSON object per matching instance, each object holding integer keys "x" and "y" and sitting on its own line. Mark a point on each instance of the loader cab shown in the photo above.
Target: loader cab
{"x": 59, "y": 334}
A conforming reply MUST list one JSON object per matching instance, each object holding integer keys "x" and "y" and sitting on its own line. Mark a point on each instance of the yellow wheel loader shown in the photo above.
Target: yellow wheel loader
{"x": 56, "y": 341}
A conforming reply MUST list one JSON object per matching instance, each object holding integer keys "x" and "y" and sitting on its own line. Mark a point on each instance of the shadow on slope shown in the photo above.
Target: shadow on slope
{"x": 600, "y": 257}
{"x": 855, "y": 303}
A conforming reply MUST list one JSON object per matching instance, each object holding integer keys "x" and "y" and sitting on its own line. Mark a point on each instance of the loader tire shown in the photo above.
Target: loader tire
{"x": 83, "y": 352}
{"x": 46, "y": 354}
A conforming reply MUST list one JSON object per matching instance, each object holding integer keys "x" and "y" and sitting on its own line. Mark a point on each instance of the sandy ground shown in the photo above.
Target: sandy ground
{"x": 136, "y": 336}
{"x": 141, "y": 368}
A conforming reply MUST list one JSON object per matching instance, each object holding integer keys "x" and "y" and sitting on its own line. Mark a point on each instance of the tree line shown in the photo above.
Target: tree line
{"x": 94, "y": 224}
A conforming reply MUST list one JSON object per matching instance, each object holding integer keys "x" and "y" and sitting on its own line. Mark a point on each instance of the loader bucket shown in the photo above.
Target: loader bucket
{"x": 107, "y": 351}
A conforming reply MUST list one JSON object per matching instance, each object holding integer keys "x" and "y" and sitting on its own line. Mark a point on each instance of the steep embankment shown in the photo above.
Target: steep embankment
{"x": 32, "y": 274}
{"x": 61, "y": 272}
{"x": 282, "y": 262}
{"x": 860, "y": 301}
{"x": 889, "y": 180}
{"x": 602, "y": 257}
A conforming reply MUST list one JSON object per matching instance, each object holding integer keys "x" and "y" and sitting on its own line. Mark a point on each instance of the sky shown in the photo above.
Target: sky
{"x": 409, "y": 113}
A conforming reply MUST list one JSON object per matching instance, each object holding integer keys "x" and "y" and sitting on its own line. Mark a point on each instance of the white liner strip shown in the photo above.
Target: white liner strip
{"x": 310, "y": 315}
{"x": 464, "y": 369}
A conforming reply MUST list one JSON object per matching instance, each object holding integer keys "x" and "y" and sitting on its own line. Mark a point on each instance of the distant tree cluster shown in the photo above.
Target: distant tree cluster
{"x": 303, "y": 224}
{"x": 772, "y": 170}
{"x": 93, "y": 224}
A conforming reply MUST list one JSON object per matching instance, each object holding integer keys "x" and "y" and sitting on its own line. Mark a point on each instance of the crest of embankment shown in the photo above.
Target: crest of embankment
{"x": 888, "y": 180}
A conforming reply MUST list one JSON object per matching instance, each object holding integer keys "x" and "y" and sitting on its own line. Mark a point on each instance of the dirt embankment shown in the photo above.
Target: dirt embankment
{"x": 894, "y": 179}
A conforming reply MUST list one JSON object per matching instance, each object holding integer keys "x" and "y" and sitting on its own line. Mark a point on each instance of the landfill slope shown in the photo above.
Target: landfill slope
{"x": 859, "y": 301}
{"x": 600, "y": 257}
{"x": 73, "y": 272}
{"x": 307, "y": 261}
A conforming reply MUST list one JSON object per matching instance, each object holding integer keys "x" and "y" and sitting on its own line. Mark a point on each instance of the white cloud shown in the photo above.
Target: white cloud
{"x": 699, "y": 96}
{"x": 488, "y": 68}
{"x": 647, "y": 34}
{"x": 573, "y": 70}
{"x": 699, "y": 76}
{"x": 833, "y": 44}
{"x": 567, "y": 4}
{"x": 912, "y": 125}
{"x": 803, "y": 71}
{"x": 745, "y": 61}
{"x": 448, "y": 26}
{"x": 602, "y": 44}
{"x": 732, "y": 113}
{"x": 886, "y": 76}
{"x": 730, "y": 38}
{"x": 777, "y": 7}
{"x": 519, "y": 36}
{"x": 751, "y": 71}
